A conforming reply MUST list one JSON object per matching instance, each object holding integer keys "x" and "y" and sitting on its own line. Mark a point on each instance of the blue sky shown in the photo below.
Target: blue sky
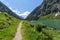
{"x": 22, "y": 5}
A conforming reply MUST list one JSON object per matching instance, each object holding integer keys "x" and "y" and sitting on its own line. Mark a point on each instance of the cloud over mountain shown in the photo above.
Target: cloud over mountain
{"x": 15, "y": 11}
{"x": 23, "y": 15}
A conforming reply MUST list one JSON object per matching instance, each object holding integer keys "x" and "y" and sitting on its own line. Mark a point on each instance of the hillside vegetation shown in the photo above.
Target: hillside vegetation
{"x": 51, "y": 16}
{"x": 39, "y": 31}
{"x": 47, "y": 22}
{"x": 8, "y": 26}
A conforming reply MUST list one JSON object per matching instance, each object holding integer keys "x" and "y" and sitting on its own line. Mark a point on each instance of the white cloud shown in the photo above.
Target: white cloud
{"x": 23, "y": 15}
{"x": 15, "y": 11}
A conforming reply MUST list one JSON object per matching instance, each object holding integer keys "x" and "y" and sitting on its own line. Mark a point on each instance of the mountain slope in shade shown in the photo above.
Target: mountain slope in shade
{"x": 4, "y": 8}
{"x": 47, "y": 7}
{"x": 8, "y": 23}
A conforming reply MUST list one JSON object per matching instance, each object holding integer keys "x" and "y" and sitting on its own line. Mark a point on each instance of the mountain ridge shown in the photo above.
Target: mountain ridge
{"x": 4, "y": 8}
{"x": 47, "y": 7}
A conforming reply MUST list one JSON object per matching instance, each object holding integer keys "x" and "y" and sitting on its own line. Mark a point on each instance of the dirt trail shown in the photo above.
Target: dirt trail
{"x": 18, "y": 33}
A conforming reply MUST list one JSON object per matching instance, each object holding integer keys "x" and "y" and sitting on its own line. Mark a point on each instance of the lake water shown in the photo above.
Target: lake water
{"x": 50, "y": 23}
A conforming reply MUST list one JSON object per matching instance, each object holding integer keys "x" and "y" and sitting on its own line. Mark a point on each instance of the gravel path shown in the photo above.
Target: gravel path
{"x": 18, "y": 33}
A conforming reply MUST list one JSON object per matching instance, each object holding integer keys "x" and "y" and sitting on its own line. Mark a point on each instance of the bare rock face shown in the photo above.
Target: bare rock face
{"x": 47, "y": 7}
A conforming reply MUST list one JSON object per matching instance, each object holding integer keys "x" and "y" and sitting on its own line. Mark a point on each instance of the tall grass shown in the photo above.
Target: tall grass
{"x": 8, "y": 26}
{"x": 39, "y": 31}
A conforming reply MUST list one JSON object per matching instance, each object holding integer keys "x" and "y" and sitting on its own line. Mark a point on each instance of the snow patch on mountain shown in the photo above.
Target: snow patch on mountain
{"x": 15, "y": 11}
{"x": 57, "y": 14}
{"x": 23, "y": 15}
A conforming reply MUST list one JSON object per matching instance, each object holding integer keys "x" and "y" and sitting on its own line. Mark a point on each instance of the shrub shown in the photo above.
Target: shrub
{"x": 31, "y": 25}
{"x": 6, "y": 15}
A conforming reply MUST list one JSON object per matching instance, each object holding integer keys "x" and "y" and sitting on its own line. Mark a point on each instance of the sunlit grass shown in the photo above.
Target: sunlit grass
{"x": 39, "y": 31}
{"x": 8, "y": 26}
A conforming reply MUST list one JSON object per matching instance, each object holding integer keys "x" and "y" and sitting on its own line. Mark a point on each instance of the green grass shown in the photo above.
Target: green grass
{"x": 28, "y": 33}
{"x": 39, "y": 31}
{"x": 50, "y": 17}
{"x": 8, "y": 26}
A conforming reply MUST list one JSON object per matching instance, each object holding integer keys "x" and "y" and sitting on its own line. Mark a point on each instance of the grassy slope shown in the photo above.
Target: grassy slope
{"x": 31, "y": 31}
{"x": 8, "y": 26}
{"x": 39, "y": 31}
{"x": 50, "y": 17}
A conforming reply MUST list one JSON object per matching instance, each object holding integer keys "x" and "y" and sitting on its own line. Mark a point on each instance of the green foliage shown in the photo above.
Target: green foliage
{"x": 8, "y": 26}
{"x": 50, "y": 17}
{"x": 27, "y": 29}
{"x": 39, "y": 31}
{"x": 47, "y": 17}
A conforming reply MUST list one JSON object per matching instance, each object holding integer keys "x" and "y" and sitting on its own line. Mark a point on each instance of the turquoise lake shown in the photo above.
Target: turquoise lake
{"x": 50, "y": 23}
